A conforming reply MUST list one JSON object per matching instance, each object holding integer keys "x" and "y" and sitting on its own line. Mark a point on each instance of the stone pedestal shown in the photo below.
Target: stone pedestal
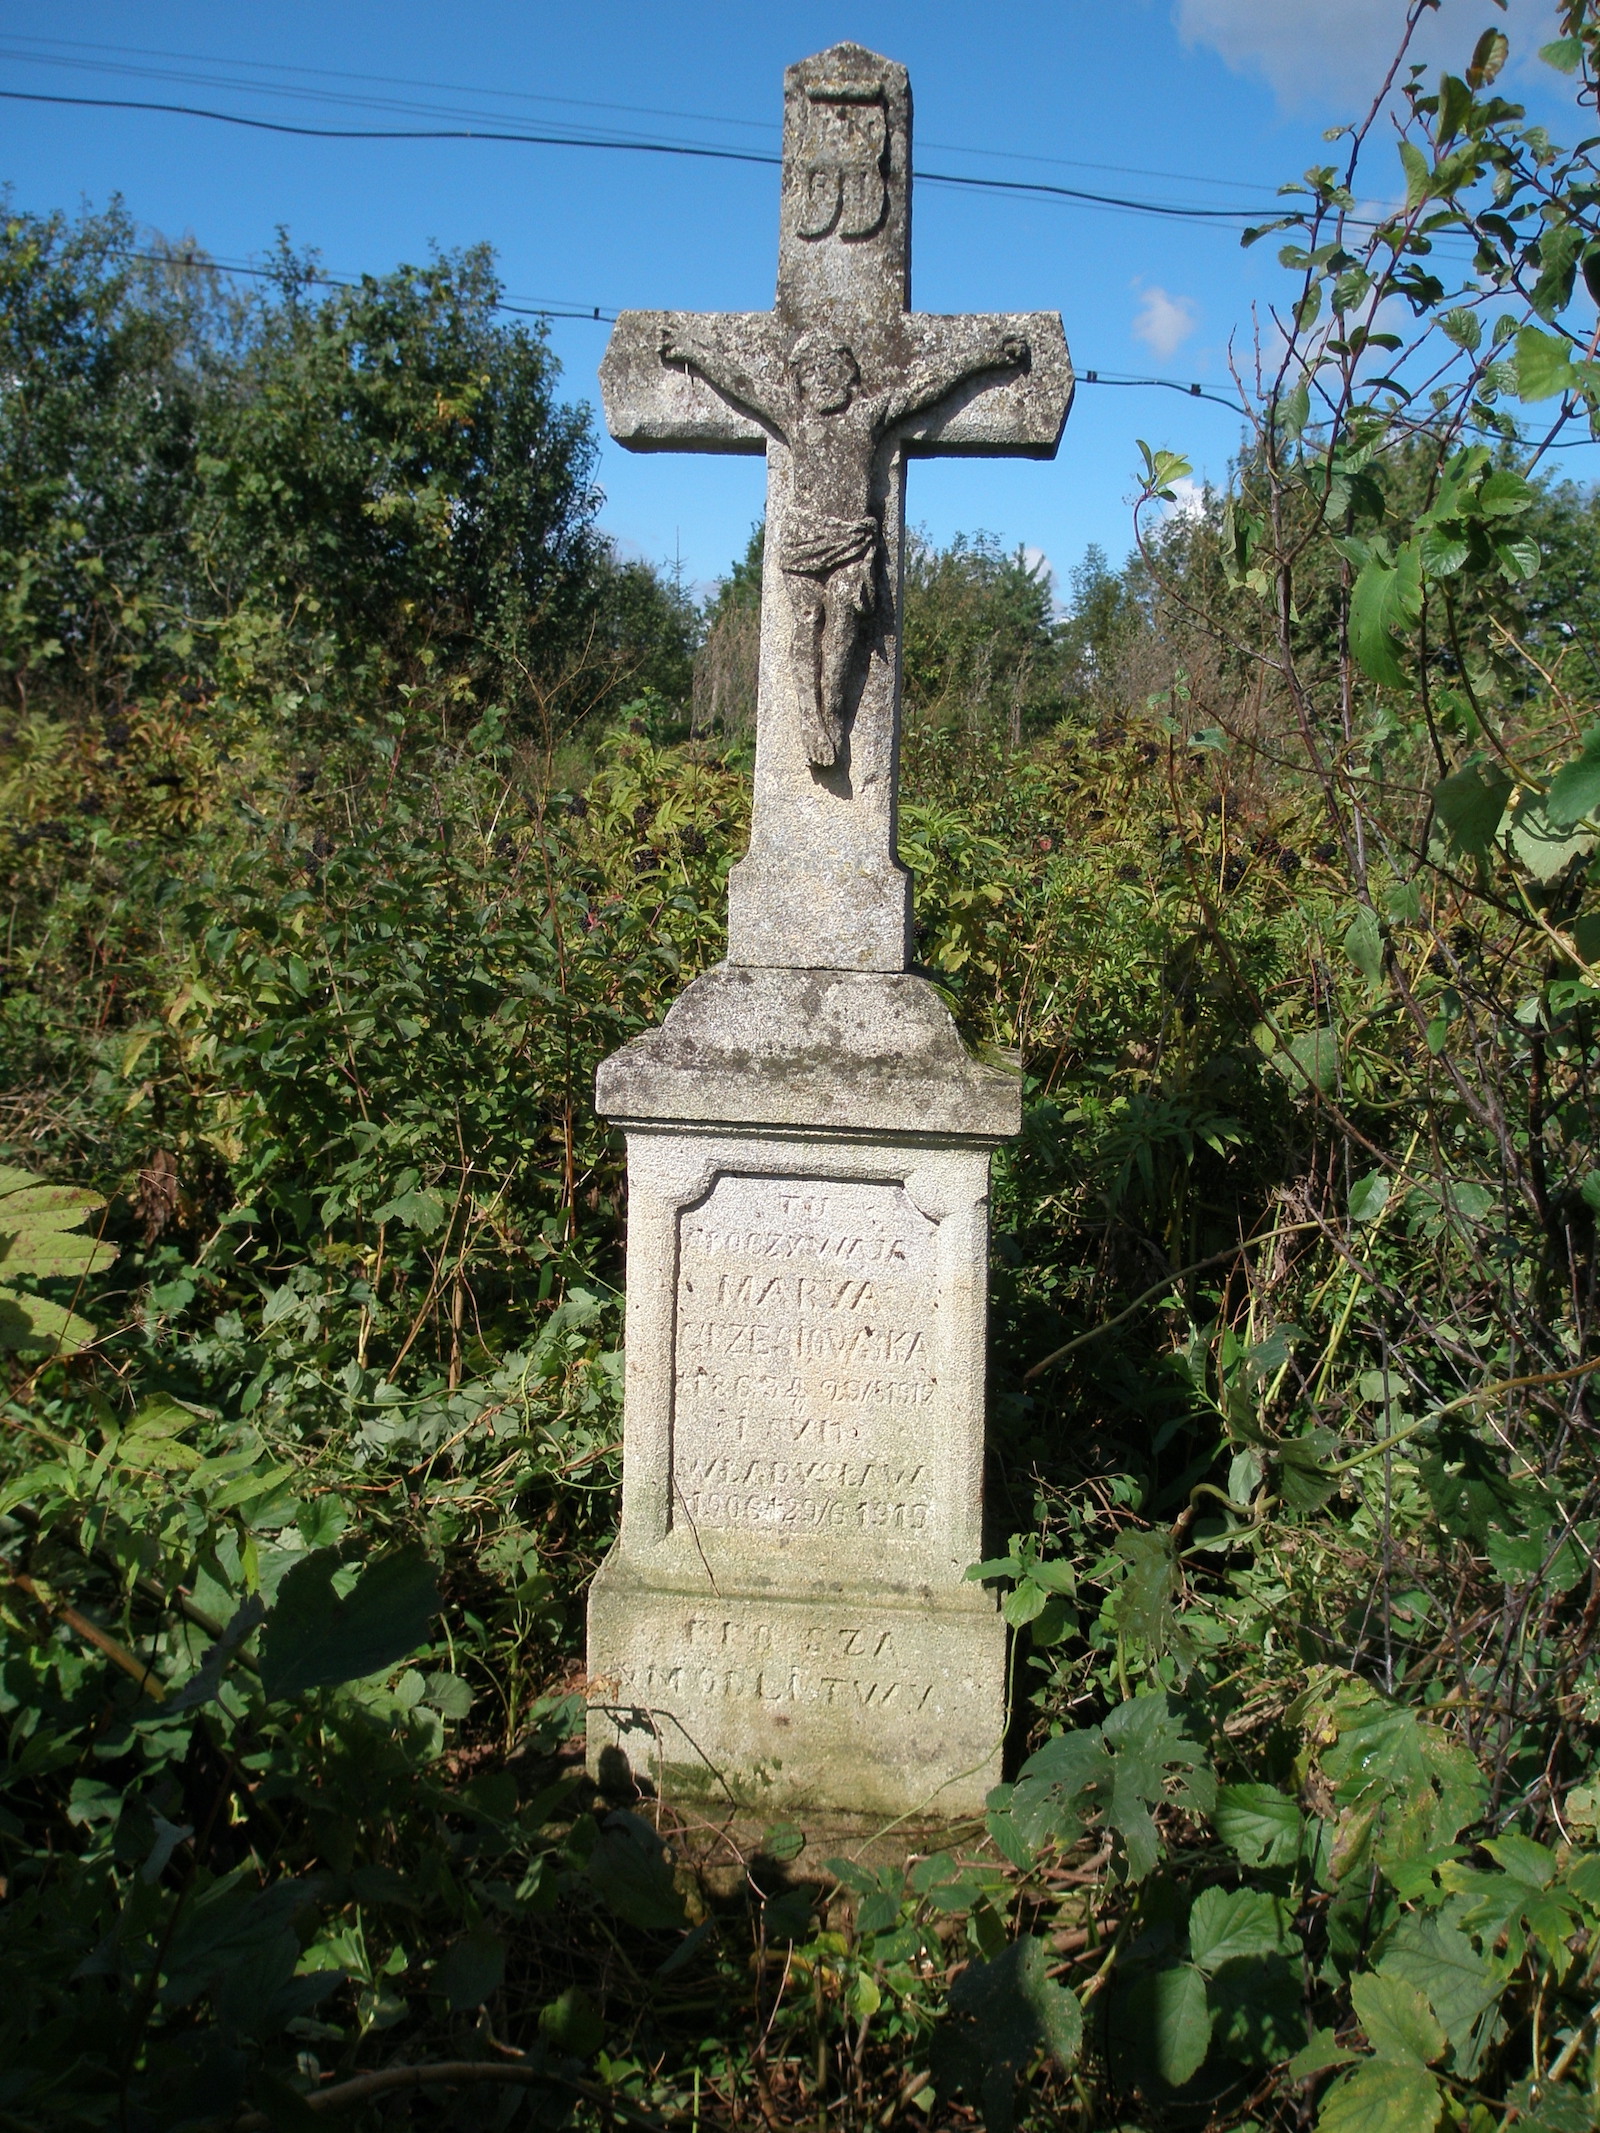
{"x": 784, "y": 1621}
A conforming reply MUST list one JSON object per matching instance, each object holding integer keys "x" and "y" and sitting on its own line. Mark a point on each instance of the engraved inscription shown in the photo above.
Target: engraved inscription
{"x": 841, "y": 181}
{"x": 807, "y": 1339}
{"x": 728, "y": 1660}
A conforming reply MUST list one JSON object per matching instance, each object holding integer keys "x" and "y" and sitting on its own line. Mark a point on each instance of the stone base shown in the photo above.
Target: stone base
{"x": 784, "y": 1623}
{"x": 890, "y": 1705}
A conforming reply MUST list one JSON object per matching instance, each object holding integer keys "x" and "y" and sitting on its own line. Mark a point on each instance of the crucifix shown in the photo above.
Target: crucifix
{"x": 838, "y": 384}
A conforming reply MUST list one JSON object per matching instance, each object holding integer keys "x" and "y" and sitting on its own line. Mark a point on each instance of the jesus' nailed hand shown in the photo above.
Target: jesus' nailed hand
{"x": 833, "y": 424}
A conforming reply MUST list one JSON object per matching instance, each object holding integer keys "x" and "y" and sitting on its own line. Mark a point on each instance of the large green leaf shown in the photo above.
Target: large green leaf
{"x": 1386, "y": 600}
{"x": 313, "y": 1639}
{"x": 36, "y": 1325}
{"x": 1154, "y": 1759}
{"x": 1226, "y": 1924}
{"x": 1383, "y": 2096}
{"x": 1120, "y": 1770}
{"x": 1169, "y": 2018}
{"x": 1002, "y": 2016}
{"x": 1544, "y": 364}
{"x": 471, "y": 1968}
{"x": 632, "y": 1871}
{"x": 1311, "y": 1057}
{"x": 1397, "y": 2019}
{"x": 1461, "y": 1986}
{"x": 29, "y": 1207}
{"x": 39, "y": 1241}
{"x": 1545, "y": 849}
{"x": 1470, "y": 803}
{"x": 1575, "y": 788}
{"x": 1259, "y": 1824}
{"x": 1363, "y": 944}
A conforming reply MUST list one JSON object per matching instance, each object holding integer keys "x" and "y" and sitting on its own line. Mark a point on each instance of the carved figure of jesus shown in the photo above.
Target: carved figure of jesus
{"x": 834, "y": 426}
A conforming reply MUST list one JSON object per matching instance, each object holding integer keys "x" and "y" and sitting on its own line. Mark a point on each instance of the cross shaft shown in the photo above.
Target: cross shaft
{"x": 838, "y": 385}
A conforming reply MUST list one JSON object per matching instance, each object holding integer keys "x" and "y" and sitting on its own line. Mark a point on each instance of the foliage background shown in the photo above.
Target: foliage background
{"x": 357, "y": 800}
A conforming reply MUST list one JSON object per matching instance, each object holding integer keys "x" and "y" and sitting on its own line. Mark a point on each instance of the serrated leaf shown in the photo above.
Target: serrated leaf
{"x": 1398, "y": 2021}
{"x": 1009, "y": 1840}
{"x": 36, "y": 1206}
{"x": 1260, "y": 1825}
{"x": 783, "y": 1841}
{"x": 1383, "y": 2096}
{"x": 1470, "y": 804}
{"x": 1226, "y": 1925}
{"x": 1323, "y": 2051}
{"x": 313, "y": 1639}
{"x": 1583, "y": 1879}
{"x": 1369, "y": 1196}
{"x": 31, "y": 1325}
{"x": 1022, "y": 1603}
{"x": 1002, "y": 2015}
{"x": 1575, "y": 788}
{"x": 1386, "y": 598}
{"x": 1462, "y": 1987}
{"x": 1531, "y": 1863}
{"x": 1418, "y": 176}
{"x": 449, "y": 1695}
{"x": 1544, "y": 364}
{"x": 53, "y": 1255}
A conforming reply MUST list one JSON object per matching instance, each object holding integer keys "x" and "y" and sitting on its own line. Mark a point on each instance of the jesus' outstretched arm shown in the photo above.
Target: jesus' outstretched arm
{"x": 926, "y": 387}
{"x": 724, "y": 374}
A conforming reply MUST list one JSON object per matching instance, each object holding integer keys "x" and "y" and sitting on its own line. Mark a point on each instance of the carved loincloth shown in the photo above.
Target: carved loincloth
{"x": 815, "y": 545}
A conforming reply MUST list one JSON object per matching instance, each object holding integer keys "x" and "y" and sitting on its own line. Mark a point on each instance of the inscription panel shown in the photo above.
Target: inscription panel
{"x": 726, "y": 1658}
{"x": 807, "y": 1367}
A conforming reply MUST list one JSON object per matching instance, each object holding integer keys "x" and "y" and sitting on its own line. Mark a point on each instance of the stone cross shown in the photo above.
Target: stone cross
{"x": 785, "y": 1618}
{"x": 838, "y": 384}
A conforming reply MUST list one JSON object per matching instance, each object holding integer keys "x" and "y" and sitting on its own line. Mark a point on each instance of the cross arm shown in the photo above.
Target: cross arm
{"x": 991, "y": 408}
{"x": 654, "y": 404}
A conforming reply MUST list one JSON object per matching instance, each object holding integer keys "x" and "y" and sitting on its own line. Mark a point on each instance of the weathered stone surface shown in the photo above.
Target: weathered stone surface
{"x": 825, "y": 1701}
{"x": 825, "y": 1049}
{"x": 837, "y": 384}
{"x": 785, "y": 1620}
{"x": 804, "y": 1448}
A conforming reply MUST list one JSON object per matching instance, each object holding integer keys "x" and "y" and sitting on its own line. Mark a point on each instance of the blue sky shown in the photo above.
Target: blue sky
{"x": 1185, "y": 102}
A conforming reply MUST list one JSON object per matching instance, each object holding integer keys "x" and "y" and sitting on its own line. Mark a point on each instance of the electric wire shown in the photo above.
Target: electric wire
{"x": 51, "y": 47}
{"x": 1037, "y": 188}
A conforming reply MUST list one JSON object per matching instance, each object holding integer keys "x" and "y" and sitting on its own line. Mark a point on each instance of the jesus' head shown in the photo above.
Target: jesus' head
{"x": 826, "y": 371}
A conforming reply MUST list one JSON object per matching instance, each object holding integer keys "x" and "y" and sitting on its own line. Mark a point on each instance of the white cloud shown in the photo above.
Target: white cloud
{"x": 1335, "y": 52}
{"x": 1164, "y": 322}
{"x": 1188, "y": 498}
{"x": 1042, "y": 567}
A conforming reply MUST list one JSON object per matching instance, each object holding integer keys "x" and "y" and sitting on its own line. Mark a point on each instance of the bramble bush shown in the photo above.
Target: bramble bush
{"x": 1277, "y": 860}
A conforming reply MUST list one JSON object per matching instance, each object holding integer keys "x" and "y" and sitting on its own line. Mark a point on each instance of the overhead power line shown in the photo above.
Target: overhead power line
{"x": 48, "y": 52}
{"x": 599, "y": 314}
{"x": 602, "y": 315}
{"x": 1017, "y": 187}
